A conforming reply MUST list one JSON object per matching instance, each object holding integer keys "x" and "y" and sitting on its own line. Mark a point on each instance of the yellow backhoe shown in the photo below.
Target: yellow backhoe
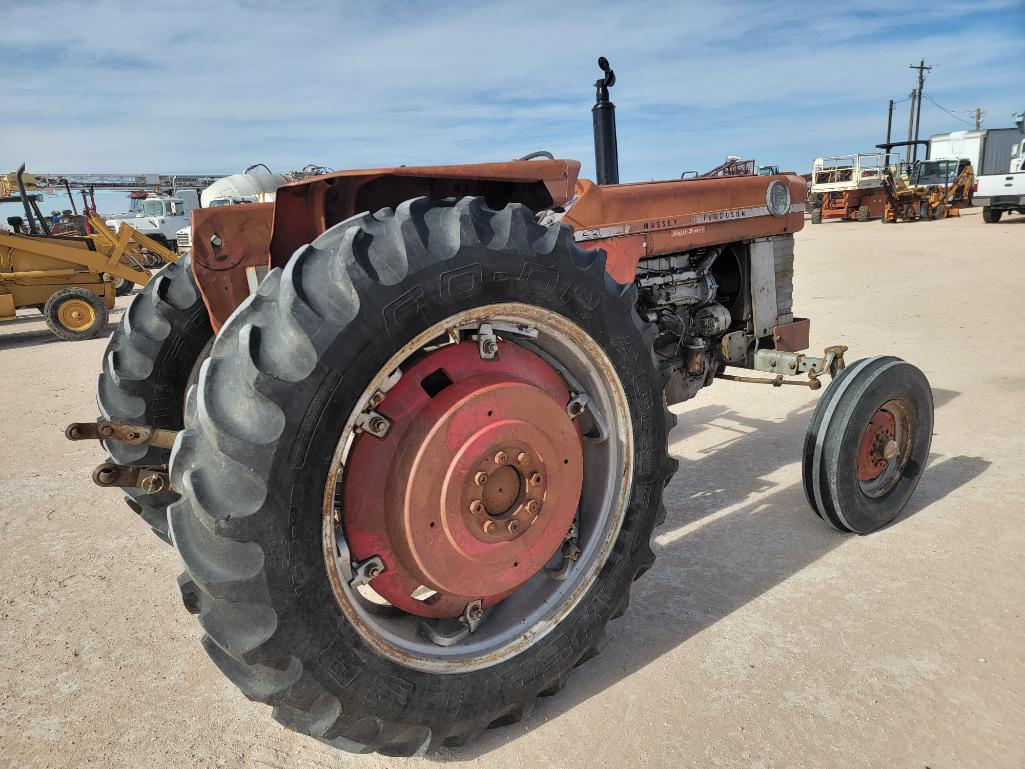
{"x": 72, "y": 279}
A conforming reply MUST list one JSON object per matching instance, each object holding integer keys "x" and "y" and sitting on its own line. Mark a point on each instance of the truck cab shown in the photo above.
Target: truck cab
{"x": 938, "y": 172}
{"x": 160, "y": 216}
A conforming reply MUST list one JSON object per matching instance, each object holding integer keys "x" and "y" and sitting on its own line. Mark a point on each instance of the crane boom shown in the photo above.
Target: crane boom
{"x": 55, "y": 181}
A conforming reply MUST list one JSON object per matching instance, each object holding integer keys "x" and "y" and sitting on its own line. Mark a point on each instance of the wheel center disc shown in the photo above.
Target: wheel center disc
{"x": 878, "y": 446}
{"x": 475, "y": 485}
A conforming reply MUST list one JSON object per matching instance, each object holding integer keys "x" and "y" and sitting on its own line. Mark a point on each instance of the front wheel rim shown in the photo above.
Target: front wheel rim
{"x": 884, "y": 448}
{"x": 536, "y": 606}
{"x": 76, "y": 315}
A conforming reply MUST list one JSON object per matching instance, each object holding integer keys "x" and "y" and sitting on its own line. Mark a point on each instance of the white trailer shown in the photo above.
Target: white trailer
{"x": 988, "y": 149}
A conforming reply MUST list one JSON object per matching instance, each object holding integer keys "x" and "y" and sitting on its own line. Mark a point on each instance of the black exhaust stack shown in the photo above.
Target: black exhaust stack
{"x": 603, "y": 115}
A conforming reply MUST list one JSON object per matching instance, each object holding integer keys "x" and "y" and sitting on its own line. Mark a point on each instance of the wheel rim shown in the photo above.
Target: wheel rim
{"x": 884, "y": 448}
{"x": 475, "y": 528}
{"x": 76, "y": 314}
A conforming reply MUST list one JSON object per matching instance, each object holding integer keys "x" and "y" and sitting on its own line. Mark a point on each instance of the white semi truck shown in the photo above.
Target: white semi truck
{"x": 160, "y": 216}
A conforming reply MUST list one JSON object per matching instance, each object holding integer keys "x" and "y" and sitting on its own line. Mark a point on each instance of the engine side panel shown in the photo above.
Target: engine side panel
{"x": 636, "y": 221}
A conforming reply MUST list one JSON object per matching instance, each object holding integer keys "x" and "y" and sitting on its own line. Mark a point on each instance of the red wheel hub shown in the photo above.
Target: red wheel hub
{"x": 877, "y": 446}
{"x": 474, "y": 486}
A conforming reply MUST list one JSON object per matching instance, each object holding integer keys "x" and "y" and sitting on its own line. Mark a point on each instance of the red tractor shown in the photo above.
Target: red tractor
{"x": 407, "y": 427}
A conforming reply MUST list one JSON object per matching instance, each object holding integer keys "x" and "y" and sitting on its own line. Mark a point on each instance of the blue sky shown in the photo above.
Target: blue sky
{"x": 183, "y": 87}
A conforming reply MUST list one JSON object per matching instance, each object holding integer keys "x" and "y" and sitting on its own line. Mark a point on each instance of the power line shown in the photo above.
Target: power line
{"x": 952, "y": 113}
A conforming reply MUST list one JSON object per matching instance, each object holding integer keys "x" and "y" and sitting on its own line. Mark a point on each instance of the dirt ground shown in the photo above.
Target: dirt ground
{"x": 760, "y": 638}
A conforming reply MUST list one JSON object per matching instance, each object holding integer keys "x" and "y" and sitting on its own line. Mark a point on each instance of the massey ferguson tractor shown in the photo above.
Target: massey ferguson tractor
{"x": 407, "y": 427}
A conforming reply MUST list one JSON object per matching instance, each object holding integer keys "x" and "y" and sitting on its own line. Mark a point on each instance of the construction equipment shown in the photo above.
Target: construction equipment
{"x": 72, "y": 280}
{"x": 908, "y": 202}
{"x": 848, "y": 187}
{"x": 419, "y": 421}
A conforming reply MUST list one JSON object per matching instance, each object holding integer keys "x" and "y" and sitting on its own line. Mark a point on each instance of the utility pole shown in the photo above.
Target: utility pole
{"x": 911, "y": 114}
{"x": 921, "y": 67}
{"x": 889, "y": 129}
{"x": 978, "y": 118}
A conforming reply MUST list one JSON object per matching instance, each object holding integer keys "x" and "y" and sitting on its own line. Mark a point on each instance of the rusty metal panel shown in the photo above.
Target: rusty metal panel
{"x": 792, "y": 337}
{"x": 225, "y": 241}
{"x": 306, "y": 208}
{"x": 763, "y": 286}
{"x": 679, "y": 215}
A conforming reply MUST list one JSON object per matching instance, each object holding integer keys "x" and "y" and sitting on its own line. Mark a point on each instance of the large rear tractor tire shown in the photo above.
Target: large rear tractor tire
{"x": 426, "y": 462}
{"x": 868, "y": 443}
{"x": 151, "y": 359}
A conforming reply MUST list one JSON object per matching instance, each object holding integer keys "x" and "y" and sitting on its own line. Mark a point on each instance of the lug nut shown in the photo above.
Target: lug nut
{"x": 475, "y": 613}
{"x": 501, "y": 458}
{"x": 523, "y": 457}
{"x": 480, "y": 479}
{"x": 476, "y": 507}
{"x": 373, "y": 571}
{"x": 535, "y": 479}
{"x": 376, "y": 398}
{"x": 513, "y": 526}
{"x": 489, "y": 527}
{"x": 377, "y": 425}
{"x": 533, "y": 507}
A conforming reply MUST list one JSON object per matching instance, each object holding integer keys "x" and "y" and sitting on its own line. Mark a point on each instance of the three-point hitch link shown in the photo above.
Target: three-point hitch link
{"x": 151, "y": 479}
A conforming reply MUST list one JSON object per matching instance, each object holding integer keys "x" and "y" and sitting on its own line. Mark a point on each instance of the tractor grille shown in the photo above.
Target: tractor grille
{"x": 783, "y": 251}
{"x": 184, "y": 241}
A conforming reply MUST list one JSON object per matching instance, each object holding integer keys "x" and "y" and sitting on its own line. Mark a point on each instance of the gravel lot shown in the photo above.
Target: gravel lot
{"x": 760, "y": 638}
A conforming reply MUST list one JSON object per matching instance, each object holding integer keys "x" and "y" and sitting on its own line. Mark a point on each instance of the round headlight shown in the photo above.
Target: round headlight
{"x": 777, "y": 198}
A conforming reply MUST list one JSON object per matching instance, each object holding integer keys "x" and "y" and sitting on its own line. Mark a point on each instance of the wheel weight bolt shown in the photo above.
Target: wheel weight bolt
{"x": 480, "y": 478}
{"x": 489, "y": 527}
{"x": 535, "y": 479}
{"x": 523, "y": 457}
{"x": 533, "y": 507}
{"x": 501, "y": 458}
{"x": 513, "y": 526}
{"x": 476, "y": 507}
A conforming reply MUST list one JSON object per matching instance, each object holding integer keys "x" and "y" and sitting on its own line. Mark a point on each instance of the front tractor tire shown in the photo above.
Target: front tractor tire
{"x": 400, "y": 521}
{"x": 150, "y": 361}
{"x": 868, "y": 444}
